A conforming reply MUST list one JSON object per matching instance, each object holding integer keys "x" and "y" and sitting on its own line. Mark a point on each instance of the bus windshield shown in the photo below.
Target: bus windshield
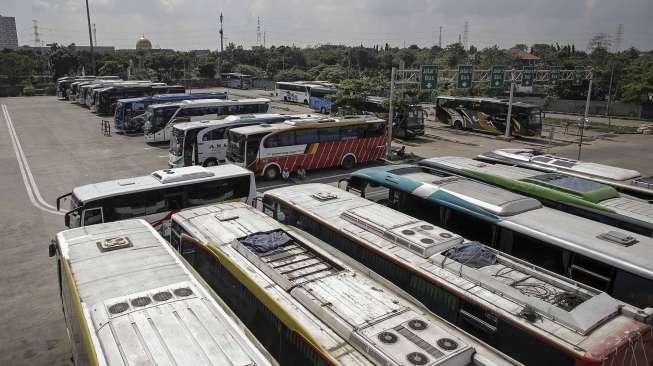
{"x": 160, "y": 117}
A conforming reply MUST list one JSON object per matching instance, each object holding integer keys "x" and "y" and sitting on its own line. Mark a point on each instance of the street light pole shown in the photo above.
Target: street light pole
{"x": 509, "y": 115}
{"x": 90, "y": 38}
{"x": 391, "y": 111}
{"x": 607, "y": 104}
{"x": 587, "y": 109}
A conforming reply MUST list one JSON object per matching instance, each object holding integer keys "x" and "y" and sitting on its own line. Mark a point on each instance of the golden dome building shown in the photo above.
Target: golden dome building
{"x": 143, "y": 43}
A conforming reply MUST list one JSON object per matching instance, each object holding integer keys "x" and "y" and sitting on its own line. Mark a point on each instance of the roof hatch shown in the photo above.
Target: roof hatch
{"x": 181, "y": 174}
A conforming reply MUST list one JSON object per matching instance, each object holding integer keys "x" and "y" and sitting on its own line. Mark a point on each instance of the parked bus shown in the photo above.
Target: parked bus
{"x": 609, "y": 259}
{"x": 205, "y": 142}
{"x": 580, "y": 196}
{"x": 106, "y": 100}
{"x": 157, "y": 196}
{"x": 236, "y": 80}
{"x": 320, "y": 99}
{"x": 625, "y": 180}
{"x": 127, "y": 109}
{"x": 161, "y": 117}
{"x": 489, "y": 114}
{"x": 63, "y": 84}
{"x": 300, "y": 91}
{"x": 527, "y": 312}
{"x": 310, "y": 304}
{"x": 312, "y": 143}
{"x": 128, "y": 298}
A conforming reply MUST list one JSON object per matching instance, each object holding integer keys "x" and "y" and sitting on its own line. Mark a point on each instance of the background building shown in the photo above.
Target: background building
{"x": 8, "y": 35}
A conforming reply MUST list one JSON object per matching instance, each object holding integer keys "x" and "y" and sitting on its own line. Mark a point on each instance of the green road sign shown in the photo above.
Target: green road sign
{"x": 554, "y": 75}
{"x": 496, "y": 76}
{"x": 579, "y": 75}
{"x": 429, "y": 77}
{"x": 464, "y": 76}
{"x": 527, "y": 76}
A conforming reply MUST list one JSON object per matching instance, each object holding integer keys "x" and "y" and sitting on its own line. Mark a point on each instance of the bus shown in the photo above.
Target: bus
{"x": 533, "y": 315}
{"x": 128, "y": 298}
{"x": 612, "y": 260}
{"x": 161, "y": 117}
{"x": 157, "y": 196}
{"x": 106, "y": 99}
{"x": 310, "y": 304}
{"x": 300, "y": 91}
{"x": 312, "y": 143}
{"x": 624, "y": 180}
{"x": 127, "y": 109}
{"x": 489, "y": 115}
{"x": 63, "y": 84}
{"x": 580, "y": 196}
{"x": 236, "y": 80}
{"x": 205, "y": 142}
{"x": 320, "y": 99}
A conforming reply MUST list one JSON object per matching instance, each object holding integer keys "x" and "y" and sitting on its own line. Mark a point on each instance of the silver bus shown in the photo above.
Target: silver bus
{"x": 310, "y": 304}
{"x": 129, "y": 299}
{"x": 533, "y": 315}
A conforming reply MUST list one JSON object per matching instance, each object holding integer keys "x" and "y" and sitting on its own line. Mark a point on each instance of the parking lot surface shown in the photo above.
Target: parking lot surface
{"x": 47, "y": 147}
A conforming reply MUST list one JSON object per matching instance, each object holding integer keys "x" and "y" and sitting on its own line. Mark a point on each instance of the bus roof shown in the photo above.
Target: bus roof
{"x": 581, "y": 329}
{"x": 565, "y": 230}
{"x": 307, "y": 122}
{"x": 489, "y": 100}
{"x": 257, "y": 117}
{"x": 354, "y": 306}
{"x": 138, "y": 297}
{"x": 212, "y": 102}
{"x": 172, "y": 97}
{"x": 158, "y": 179}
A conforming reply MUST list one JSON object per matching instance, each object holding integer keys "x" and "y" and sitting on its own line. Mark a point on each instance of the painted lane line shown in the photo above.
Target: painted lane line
{"x": 25, "y": 163}
{"x": 32, "y": 191}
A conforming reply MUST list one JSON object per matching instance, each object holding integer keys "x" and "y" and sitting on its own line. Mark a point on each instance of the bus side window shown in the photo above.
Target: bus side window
{"x": 92, "y": 216}
{"x": 632, "y": 289}
{"x": 591, "y": 272}
{"x": 375, "y": 129}
{"x": 268, "y": 206}
{"x": 538, "y": 252}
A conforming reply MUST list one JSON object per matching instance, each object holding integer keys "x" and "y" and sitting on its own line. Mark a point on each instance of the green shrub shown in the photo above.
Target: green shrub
{"x": 28, "y": 90}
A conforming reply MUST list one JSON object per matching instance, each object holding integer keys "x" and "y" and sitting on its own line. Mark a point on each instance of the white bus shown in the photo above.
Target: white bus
{"x": 533, "y": 315}
{"x": 205, "y": 142}
{"x": 161, "y": 117}
{"x": 157, "y": 196}
{"x": 129, "y": 299}
{"x": 300, "y": 91}
{"x": 310, "y": 304}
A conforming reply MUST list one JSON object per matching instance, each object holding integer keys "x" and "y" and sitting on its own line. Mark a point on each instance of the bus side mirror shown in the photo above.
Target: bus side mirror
{"x": 66, "y": 219}
{"x": 52, "y": 248}
{"x": 346, "y": 180}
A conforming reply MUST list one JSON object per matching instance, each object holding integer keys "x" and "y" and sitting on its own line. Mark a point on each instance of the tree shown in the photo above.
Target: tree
{"x": 293, "y": 74}
{"x": 207, "y": 70}
{"x": 521, "y": 47}
{"x": 638, "y": 80}
{"x": 250, "y": 70}
{"x": 16, "y": 68}
{"x": 111, "y": 68}
{"x": 64, "y": 60}
{"x": 333, "y": 74}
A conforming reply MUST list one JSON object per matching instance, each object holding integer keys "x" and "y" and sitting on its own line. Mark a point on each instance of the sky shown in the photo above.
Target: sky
{"x": 193, "y": 24}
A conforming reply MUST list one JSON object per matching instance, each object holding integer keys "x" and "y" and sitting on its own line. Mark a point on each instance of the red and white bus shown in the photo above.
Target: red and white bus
{"x": 312, "y": 143}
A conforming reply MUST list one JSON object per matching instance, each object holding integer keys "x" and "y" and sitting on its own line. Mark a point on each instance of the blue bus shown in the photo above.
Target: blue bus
{"x": 127, "y": 109}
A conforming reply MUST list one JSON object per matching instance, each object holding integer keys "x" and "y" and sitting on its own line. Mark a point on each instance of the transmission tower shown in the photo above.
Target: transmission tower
{"x": 264, "y": 36}
{"x": 258, "y": 31}
{"x": 94, "y": 35}
{"x": 466, "y": 35}
{"x": 618, "y": 38}
{"x": 35, "y": 26}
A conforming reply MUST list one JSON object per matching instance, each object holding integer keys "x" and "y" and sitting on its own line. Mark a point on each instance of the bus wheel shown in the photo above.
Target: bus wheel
{"x": 323, "y": 110}
{"x": 457, "y": 125}
{"x": 271, "y": 172}
{"x": 348, "y": 162}
{"x": 305, "y": 101}
{"x": 210, "y": 162}
{"x": 285, "y": 99}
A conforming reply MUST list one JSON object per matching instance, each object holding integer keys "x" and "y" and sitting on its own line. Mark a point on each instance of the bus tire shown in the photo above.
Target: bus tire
{"x": 348, "y": 162}
{"x": 458, "y": 125}
{"x": 285, "y": 99}
{"x": 305, "y": 101}
{"x": 210, "y": 162}
{"x": 323, "y": 110}
{"x": 271, "y": 172}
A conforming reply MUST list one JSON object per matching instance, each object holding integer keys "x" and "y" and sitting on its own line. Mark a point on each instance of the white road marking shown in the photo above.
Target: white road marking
{"x": 28, "y": 179}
